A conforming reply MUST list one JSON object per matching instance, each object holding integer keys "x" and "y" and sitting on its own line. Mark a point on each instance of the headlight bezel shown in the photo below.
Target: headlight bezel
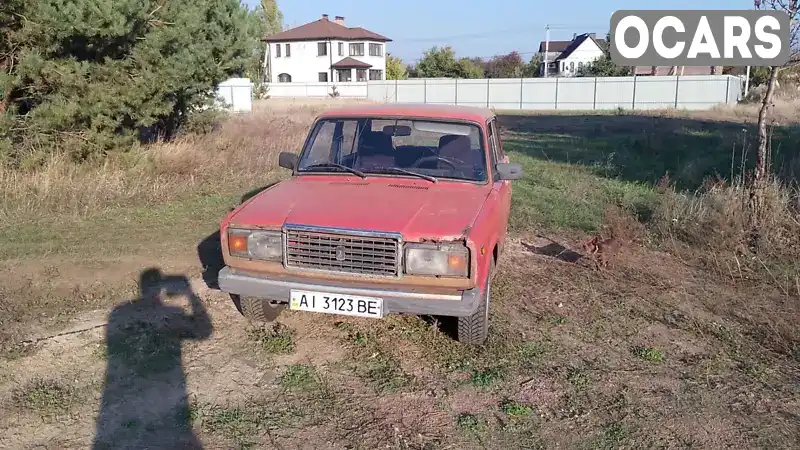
{"x": 250, "y": 236}
{"x": 444, "y": 250}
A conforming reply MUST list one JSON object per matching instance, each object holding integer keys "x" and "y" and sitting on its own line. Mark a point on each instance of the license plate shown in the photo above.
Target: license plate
{"x": 326, "y": 302}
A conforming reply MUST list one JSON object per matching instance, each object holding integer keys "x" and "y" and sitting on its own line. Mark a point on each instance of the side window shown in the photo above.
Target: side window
{"x": 493, "y": 151}
{"x": 333, "y": 141}
{"x": 498, "y": 141}
{"x": 321, "y": 147}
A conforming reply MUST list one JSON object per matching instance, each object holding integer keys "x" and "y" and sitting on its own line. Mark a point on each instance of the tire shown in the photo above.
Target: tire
{"x": 258, "y": 310}
{"x": 474, "y": 329}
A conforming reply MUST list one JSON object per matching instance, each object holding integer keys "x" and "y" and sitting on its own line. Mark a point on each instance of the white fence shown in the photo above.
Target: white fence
{"x": 236, "y": 94}
{"x": 642, "y": 92}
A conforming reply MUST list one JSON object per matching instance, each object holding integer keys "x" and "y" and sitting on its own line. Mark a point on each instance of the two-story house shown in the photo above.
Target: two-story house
{"x": 325, "y": 50}
{"x": 549, "y": 51}
{"x": 567, "y": 58}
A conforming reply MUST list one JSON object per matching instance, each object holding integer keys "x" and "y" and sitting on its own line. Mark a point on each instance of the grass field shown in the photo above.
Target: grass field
{"x": 689, "y": 342}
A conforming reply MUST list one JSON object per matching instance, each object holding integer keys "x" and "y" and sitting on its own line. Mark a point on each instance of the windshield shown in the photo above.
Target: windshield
{"x": 425, "y": 148}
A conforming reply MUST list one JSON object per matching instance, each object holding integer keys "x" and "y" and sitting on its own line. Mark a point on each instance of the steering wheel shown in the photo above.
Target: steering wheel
{"x": 447, "y": 161}
{"x": 431, "y": 150}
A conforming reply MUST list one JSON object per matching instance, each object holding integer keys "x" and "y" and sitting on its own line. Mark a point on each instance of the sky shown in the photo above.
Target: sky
{"x": 476, "y": 28}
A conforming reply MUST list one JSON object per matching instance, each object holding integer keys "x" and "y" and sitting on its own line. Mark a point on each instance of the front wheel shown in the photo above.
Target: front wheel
{"x": 475, "y": 328}
{"x": 256, "y": 309}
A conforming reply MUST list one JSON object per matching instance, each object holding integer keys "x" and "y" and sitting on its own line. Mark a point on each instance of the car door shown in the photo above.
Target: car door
{"x": 502, "y": 188}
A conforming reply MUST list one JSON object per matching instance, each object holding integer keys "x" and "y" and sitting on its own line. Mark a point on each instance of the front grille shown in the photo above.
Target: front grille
{"x": 335, "y": 252}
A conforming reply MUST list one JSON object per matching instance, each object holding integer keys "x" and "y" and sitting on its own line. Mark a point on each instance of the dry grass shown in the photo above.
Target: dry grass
{"x": 290, "y": 103}
{"x": 241, "y": 151}
{"x": 786, "y": 110}
{"x": 712, "y": 227}
{"x": 717, "y": 214}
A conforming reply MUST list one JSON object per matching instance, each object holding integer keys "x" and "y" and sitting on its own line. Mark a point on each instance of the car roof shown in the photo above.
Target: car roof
{"x": 475, "y": 114}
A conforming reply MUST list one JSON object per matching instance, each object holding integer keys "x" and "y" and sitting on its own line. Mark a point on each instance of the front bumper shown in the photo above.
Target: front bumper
{"x": 461, "y": 304}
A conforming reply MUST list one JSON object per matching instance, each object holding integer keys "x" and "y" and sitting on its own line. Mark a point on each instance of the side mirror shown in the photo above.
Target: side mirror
{"x": 287, "y": 160}
{"x": 509, "y": 171}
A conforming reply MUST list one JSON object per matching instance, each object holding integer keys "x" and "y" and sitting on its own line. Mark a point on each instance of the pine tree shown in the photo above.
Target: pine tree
{"x": 94, "y": 75}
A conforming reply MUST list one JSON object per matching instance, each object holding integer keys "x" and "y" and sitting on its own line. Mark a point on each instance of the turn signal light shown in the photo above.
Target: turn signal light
{"x": 237, "y": 244}
{"x": 457, "y": 263}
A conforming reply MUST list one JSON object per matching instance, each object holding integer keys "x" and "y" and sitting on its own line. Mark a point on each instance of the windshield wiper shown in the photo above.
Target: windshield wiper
{"x": 408, "y": 172}
{"x": 338, "y": 166}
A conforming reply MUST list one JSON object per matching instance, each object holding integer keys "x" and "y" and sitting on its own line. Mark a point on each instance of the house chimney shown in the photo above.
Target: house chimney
{"x": 339, "y": 20}
{"x": 574, "y": 35}
{"x": 324, "y": 17}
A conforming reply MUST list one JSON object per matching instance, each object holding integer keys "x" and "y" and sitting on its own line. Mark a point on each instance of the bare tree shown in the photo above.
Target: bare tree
{"x": 762, "y": 174}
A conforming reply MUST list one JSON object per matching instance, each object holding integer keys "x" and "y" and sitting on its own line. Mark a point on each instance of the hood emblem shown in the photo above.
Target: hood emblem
{"x": 340, "y": 253}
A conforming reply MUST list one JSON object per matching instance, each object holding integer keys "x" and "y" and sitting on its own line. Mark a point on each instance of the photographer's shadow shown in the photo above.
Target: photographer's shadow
{"x": 145, "y": 400}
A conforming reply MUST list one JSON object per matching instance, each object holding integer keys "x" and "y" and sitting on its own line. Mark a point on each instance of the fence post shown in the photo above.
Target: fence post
{"x": 633, "y": 103}
{"x": 727, "y": 89}
{"x": 425, "y": 90}
{"x": 594, "y": 98}
{"x": 396, "y": 100}
{"x": 456, "y": 95}
{"x": 556, "y": 105}
{"x": 520, "y": 92}
{"x": 487, "y": 92}
{"x": 677, "y": 84}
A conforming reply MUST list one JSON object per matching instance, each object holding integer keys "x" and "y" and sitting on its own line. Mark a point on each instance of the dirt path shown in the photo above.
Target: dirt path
{"x": 652, "y": 353}
{"x": 235, "y": 385}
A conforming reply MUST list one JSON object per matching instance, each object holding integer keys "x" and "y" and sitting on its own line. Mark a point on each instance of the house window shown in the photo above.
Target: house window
{"x": 341, "y": 48}
{"x": 345, "y": 75}
{"x": 277, "y": 50}
{"x": 288, "y": 51}
{"x": 322, "y": 49}
{"x": 361, "y": 74}
{"x": 572, "y": 66}
{"x": 357, "y": 49}
{"x": 284, "y": 78}
{"x": 580, "y": 66}
{"x": 375, "y": 74}
{"x": 375, "y": 50}
{"x": 323, "y": 77}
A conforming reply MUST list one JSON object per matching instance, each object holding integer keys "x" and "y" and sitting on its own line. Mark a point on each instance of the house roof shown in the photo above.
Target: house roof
{"x": 324, "y": 28}
{"x": 349, "y": 62}
{"x": 601, "y": 44}
{"x": 554, "y": 46}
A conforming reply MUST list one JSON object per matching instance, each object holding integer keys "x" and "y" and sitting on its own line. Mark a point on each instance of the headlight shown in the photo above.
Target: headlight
{"x": 437, "y": 259}
{"x": 256, "y": 244}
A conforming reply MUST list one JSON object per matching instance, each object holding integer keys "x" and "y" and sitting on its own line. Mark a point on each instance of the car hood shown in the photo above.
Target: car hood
{"x": 415, "y": 208}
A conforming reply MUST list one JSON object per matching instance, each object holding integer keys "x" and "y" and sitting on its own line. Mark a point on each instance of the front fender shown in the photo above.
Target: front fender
{"x": 484, "y": 238}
